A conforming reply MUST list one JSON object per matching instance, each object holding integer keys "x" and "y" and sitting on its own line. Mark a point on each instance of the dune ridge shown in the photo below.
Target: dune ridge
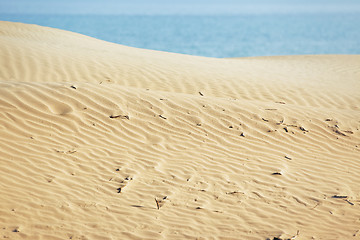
{"x": 103, "y": 141}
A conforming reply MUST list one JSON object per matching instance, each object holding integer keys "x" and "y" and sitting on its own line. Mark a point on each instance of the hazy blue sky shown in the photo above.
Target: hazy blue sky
{"x": 176, "y": 6}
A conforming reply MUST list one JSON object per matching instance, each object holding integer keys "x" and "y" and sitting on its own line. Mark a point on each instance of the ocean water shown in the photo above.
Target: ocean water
{"x": 216, "y": 35}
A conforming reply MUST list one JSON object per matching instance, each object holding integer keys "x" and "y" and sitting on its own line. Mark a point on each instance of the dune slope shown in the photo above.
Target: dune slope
{"x": 103, "y": 141}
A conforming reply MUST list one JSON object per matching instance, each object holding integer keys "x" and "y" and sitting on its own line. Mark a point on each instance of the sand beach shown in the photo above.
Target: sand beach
{"x": 104, "y": 141}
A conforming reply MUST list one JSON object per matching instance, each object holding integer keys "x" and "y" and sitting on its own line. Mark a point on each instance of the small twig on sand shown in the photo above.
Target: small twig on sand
{"x": 303, "y": 129}
{"x": 316, "y": 205}
{"x": 340, "y": 133}
{"x": 120, "y": 116}
{"x": 297, "y": 234}
{"x": 157, "y": 203}
{"x": 338, "y": 196}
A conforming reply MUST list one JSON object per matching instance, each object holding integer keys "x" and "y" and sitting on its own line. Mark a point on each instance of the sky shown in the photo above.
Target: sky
{"x": 163, "y": 7}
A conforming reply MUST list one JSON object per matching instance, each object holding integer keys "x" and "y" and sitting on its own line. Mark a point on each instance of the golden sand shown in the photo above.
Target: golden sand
{"x": 103, "y": 141}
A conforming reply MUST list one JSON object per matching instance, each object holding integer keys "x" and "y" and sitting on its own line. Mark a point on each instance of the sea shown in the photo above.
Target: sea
{"x": 220, "y": 36}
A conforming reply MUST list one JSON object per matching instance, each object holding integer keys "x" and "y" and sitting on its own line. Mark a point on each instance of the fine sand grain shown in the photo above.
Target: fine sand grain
{"x": 103, "y": 141}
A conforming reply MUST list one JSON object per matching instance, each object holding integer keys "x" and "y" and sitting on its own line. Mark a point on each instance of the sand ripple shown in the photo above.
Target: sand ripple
{"x": 100, "y": 141}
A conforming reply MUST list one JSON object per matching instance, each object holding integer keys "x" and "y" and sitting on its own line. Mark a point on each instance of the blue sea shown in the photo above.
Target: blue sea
{"x": 215, "y": 35}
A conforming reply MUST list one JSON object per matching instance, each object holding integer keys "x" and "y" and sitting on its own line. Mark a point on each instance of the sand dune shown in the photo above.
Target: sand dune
{"x": 103, "y": 141}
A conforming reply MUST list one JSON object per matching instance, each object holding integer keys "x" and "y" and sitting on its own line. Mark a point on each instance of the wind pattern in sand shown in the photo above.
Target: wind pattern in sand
{"x": 103, "y": 141}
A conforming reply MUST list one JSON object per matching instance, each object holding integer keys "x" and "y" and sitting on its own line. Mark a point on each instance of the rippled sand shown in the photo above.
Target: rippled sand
{"x": 103, "y": 141}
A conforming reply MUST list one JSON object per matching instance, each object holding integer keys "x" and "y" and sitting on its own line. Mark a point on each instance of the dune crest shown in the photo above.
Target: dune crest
{"x": 103, "y": 141}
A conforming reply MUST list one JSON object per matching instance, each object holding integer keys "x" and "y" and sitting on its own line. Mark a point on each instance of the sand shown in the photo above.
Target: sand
{"x": 104, "y": 141}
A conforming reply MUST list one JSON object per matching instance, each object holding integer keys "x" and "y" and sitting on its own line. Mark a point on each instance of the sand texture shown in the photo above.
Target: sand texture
{"x": 103, "y": 141}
